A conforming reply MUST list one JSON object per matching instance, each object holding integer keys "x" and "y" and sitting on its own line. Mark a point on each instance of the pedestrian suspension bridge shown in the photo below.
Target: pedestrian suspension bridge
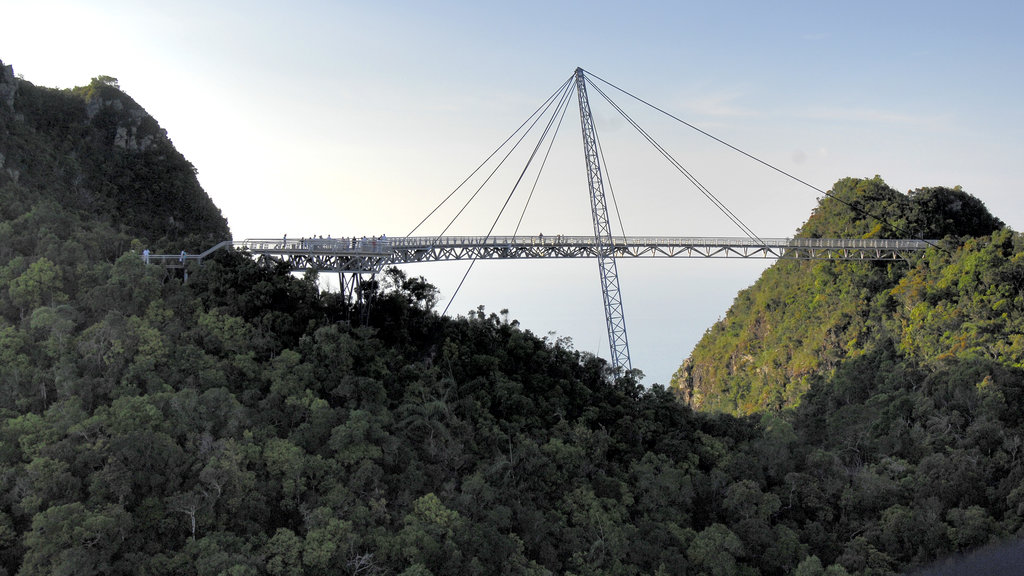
{"x": 357, "y": 260}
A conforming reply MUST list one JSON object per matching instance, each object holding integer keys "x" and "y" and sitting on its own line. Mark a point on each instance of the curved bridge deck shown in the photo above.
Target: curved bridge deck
{"x": 368, "y": 255}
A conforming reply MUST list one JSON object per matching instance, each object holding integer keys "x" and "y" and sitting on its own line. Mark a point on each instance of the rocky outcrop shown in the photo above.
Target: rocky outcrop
{"x": 127, "y": 138}
{"x": 8, "y": 86}
{"x": 136, "y": 131}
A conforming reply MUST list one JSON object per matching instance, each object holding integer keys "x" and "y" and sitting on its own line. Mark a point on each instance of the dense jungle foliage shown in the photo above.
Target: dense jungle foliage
{"x": 245, "y": 423}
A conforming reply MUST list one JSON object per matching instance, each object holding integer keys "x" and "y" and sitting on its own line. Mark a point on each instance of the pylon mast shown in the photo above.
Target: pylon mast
{"x": 618, "y": 344}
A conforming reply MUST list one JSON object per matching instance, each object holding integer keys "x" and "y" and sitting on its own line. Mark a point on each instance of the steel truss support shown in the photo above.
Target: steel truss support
{"x": 617, "y": 341}
{"x": 358, "y": 290}
{"x": 412, "y": 250}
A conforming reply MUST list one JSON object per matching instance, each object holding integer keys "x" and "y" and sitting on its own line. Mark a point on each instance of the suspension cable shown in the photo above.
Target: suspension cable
{"x": 536, "y": 113}
{"x": 522, "y": 174}
{"x": 675, "y": 163}
{"x": 850, "y": 205}
{"x": 551, "y": 142}
{"x": 607, "y": 174}
{"x": 536, "y": 119}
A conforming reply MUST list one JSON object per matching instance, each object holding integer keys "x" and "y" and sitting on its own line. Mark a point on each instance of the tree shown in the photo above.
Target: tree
{"x": 40, "y": 284}
{"x": 286, "y": 463}
{"x": 328, "y": 542}
{"x": 190, "y": 503}
{"x": 715, "y": 550}
{"x": 15, "y": 368}
{"x": 971, "y": 528}
{"x": 810, "y": 566}
{"x": 428, "y": 535}
{"x": 73, "y": 540}
{"x": 284, "y": 553}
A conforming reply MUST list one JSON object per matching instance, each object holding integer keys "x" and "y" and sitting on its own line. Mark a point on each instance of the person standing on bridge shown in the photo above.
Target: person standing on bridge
{"x": 145, "y": 255}
{"x": 183, "y": 256}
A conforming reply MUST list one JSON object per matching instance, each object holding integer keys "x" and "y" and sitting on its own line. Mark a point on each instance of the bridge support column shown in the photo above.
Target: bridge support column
{"x": 358, "y": 290}
{"x": 617, "y": 342}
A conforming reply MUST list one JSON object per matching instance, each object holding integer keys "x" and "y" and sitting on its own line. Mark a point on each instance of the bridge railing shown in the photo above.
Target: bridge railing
{"x": 427, "y": 241}
{"x": 365, "y": 244}
{"x": 385, "y": 244}
{"x": 384, "y": 247}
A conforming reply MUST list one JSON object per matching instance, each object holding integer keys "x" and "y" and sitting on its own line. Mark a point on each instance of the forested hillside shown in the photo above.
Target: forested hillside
{"x": 245, "y": 423}
{"x": 802, "y": 321}
{"x": 94, "y": 150}
{"x": 907, "y": 376}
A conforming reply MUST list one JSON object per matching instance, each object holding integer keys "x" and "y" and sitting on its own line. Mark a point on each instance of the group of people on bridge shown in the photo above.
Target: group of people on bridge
{"x": 364, "y": 244}
{"x": 372, "y": 243}
{"x": 146, "y": 254}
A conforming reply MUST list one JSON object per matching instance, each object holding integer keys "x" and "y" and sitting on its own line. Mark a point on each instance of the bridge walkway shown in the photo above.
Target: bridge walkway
{"x": 370, "y": 255}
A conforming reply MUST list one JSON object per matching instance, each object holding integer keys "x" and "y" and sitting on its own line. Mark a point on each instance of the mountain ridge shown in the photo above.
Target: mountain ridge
{"x": 246, "y": 423}
{"x": 94, "y": 149}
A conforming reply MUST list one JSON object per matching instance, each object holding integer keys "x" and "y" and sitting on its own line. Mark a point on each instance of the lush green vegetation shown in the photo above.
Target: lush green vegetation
{"x": 95, "y": 150}
{"x": 802, "y": 321}
{"x": 244, "y": 423}
{"x": 906, "y": 377}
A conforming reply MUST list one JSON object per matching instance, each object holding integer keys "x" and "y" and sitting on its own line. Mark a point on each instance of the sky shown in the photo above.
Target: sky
{"x": 357, "y": 118}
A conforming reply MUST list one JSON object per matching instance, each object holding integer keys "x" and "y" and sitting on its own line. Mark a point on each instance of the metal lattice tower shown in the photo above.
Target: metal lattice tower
{"x": 618, "y": 344}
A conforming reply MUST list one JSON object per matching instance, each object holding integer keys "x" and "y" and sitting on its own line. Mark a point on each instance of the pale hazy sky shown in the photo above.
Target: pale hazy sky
{"x": 356, "y": 118}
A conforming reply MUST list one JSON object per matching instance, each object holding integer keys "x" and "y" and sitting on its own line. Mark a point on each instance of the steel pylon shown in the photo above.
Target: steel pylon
{"x": 618, "y": 343}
